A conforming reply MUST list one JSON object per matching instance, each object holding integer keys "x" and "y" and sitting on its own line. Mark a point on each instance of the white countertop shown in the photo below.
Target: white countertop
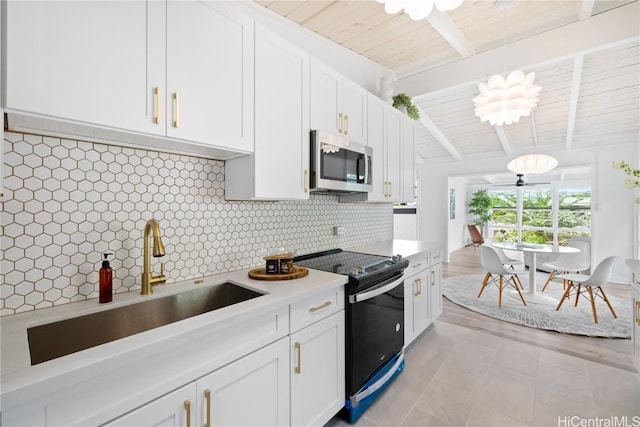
{"x": 405, "y": 248}
{"x": 17, "y": 372}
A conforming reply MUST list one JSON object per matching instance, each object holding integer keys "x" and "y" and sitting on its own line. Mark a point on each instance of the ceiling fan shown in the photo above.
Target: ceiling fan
{"x": 520, "y": 182}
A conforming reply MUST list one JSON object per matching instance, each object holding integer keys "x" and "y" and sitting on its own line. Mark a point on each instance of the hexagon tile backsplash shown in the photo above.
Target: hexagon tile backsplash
{"x": 67, "y": 202}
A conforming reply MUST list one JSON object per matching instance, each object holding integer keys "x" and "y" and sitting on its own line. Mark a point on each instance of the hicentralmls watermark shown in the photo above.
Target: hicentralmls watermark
{"x": 614, "y": 421}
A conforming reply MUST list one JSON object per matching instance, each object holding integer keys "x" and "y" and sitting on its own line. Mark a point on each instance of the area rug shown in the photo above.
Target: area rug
{"x": 542, "y": 314}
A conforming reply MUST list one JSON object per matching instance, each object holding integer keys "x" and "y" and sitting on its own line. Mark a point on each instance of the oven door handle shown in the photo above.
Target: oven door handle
{"x": 394, "y": 281}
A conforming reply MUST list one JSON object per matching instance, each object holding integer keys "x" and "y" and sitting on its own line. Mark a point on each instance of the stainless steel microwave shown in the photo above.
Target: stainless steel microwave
{"x": 339, "y": 165}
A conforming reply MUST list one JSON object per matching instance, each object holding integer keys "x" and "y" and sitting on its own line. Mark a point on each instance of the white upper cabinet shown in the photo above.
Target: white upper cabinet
{"x": 175, "y": 75}
{"x": 279, "y": 167}
{"x": 81, "y": 61}
{"x": 376, "y": 140}
{"x": 337, "y": 104}
{"x": 209, "y": 74}
{"x": 408, "y": 160}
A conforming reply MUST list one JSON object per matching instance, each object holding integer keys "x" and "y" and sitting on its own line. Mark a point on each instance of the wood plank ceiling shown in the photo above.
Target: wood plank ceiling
{"x": 590, "y": 90}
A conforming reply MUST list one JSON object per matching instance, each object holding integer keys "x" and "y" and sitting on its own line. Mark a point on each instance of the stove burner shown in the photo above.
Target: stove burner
{"x": 344, "y": 262}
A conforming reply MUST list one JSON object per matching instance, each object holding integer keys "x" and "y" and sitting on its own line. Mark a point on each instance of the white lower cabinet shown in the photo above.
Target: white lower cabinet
{"x": 297, "y": 380}
{"x": 635, "y": 331}
{"x": 435, "y": 289}
{"x": 422, "y": 293}
{"x": 317, "y": 371}
{"x": 249, "y": 392}
{"x": 417, "y": 305}
{"x": 175, "y": 409}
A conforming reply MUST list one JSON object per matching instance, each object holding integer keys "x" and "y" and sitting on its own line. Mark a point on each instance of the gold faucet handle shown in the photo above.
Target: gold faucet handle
{"x": 162, "y": 269}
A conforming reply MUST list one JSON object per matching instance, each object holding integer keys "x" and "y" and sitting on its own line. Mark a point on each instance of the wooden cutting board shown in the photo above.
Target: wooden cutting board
{"x": 261, "y": 274}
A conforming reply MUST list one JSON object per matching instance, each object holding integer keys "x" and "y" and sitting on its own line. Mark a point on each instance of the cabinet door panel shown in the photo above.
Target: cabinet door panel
{"x": 354, "y": 107}
{"x": 317, "y": 371}
{"x": 375, "y": 140}
{"x": 90, "y": 65}
{"x": 282, "y": 118}
{"x": 408, "y": 161}
{"x": 210, "y": 67}
{"x": 325, "y": 99}
{"x": 436, "y": 290}
{"x": 393, "y": 132}
{"x": 167, "y": 411}
{"x": 251, "y": 391}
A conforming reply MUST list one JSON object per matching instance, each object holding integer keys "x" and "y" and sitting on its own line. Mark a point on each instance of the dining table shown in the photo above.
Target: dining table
{"x": 531, "y": 250}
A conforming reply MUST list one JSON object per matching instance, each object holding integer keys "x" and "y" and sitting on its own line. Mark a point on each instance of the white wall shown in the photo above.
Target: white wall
{"x": 457, "y": 230}
{"x": 614, "y": 211}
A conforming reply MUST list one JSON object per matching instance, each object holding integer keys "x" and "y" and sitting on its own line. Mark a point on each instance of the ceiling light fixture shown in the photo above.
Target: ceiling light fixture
{"x": 532, "y": 163}
{"x": 418, "y": 9}
{"x": 504, "y": 101}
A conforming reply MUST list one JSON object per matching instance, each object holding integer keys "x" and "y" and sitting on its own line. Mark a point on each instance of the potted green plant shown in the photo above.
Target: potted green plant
{"x": 480, "y": 206}
{"x": 404, "y": 100}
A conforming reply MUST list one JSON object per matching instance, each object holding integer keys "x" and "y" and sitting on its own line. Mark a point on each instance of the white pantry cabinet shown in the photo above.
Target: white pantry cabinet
{"x": 279, "y": 167}
{"x": 317, "y": 357}
{"x": 174, "y": 75}
{"x": 337, "y": 104}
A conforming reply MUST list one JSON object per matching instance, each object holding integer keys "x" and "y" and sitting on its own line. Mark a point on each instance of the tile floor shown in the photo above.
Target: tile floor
{"x": 456, "y": 376}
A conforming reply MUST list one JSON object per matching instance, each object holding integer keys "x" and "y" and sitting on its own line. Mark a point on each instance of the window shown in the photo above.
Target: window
{"x": 549, "y": 216}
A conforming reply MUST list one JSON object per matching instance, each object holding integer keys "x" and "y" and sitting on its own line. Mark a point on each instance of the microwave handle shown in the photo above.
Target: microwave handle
{"x": 366, "y": 168}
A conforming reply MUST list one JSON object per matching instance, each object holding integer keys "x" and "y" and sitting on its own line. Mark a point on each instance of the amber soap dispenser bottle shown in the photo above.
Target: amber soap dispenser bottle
{"x": 106, "y": 280}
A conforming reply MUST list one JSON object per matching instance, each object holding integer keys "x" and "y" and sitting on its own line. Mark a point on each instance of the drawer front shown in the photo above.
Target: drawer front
{"x": 436, "y": 256}
{"x": 418, "y": 262}
{"x": 317, "y": 307}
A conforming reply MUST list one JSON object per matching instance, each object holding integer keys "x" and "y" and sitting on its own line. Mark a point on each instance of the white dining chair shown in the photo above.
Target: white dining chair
{"x": 506, "y": 260}
{"x": 591, "y": 284}
{"x": 497, "y": 273}
{"x": 575, "y": 262}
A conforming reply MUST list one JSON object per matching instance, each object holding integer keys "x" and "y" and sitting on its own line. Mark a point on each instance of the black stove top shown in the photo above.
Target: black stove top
{"x": 358, "y": 266}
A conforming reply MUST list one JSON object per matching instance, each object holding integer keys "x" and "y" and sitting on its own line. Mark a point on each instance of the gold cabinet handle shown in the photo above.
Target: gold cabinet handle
{"x": 638, "y": 312}
{"x": 417, "y": 265}
{"x": 299, "y": 362}
{"x": 416, "y": 292}
{"x": 433, "y": 278}
{"x": 340, "y": 116}
{"x": 320, "y": 307}
{"x": 176, "y": 110}
{"x": 207, "y": 396}
{"x": 156, "y": 96}
{"x": 306, "y": 180}
{"x": 346, "y": 121}
{"x": 187, "y": 408}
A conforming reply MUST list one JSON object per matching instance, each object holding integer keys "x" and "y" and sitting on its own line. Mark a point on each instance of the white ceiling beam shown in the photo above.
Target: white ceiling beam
{"x": 438, "y": 135}
{"x": 444, "y": 25}
{"x": 573, "y": 100}
{"x": 617, "y": 26}
{"x": 503, "y": 139}
{"x": 586, "y": 9}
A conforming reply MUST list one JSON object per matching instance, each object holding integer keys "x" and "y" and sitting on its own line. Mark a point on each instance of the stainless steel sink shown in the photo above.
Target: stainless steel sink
{"x": 68, "y": 336}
